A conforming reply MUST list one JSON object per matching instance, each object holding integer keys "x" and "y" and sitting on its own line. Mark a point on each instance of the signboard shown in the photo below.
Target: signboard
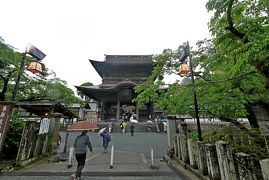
{"x": 44, "y": 126}
{"x": 5, "y": 111}
{"x": 33, "y": 51}
{"x": 4, "y": 115}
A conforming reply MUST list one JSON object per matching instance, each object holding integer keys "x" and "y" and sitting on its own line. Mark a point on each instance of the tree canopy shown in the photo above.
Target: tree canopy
{"x": 231, "y": 69}
{"x": 32, "y": 87}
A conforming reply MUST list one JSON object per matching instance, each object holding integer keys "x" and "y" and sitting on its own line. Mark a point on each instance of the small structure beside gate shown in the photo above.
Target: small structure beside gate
{"x": 40, "y": 136}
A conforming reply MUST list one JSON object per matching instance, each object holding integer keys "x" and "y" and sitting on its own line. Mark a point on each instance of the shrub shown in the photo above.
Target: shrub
{"x": 249, "y": 141}
{"x": 193, "y": 136}
{"x": 13, "y": 137}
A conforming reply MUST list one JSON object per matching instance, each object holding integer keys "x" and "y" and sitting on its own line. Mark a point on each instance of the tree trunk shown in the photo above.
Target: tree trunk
{"x": 4, "y": 90}
{"x": 253, "y": 121}
{"x": 266, "y": 108}
{"x": 233, "y": 121}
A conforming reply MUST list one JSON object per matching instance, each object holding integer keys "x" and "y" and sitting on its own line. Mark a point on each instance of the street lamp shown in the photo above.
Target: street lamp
{"x": 182, "y": 58}
{"x": 34, "y": 52}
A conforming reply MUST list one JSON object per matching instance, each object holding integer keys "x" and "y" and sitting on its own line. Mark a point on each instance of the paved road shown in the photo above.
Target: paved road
{"x": 131, "y": 161}
{"x": 141, "y": 142}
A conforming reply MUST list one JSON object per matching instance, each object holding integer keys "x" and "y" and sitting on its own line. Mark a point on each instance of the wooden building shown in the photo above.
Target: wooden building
{"x": 120, "y": 74}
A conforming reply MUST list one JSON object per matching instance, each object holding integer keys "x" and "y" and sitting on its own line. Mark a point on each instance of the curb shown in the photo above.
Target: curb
{"x": 184, "y": 168}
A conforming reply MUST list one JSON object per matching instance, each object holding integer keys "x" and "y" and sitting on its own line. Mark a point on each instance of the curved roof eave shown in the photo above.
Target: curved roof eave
{"x": 97, "y": 92}
{"x": 112, "y": 87}
{"x": 122, "y": 84}
{"x": 98, "y": 66}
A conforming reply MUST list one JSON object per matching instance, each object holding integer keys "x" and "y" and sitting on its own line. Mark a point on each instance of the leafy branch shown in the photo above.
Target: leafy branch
{"x": 231, "y": 27}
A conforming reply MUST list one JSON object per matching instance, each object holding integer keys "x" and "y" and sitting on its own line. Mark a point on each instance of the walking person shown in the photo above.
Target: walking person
{"x": 121, "y": 126}
{"x": 165, "y": 127}
{"x": 149, "y": 127}
{"x": 132, "y": 129}
{"x": 80, "y": 147}
{"x": 106, "y": 138}
{"x": 124, "y": 124}
{"x": 110, "y": 127}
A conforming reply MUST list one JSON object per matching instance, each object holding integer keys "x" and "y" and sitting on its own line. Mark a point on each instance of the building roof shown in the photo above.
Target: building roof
{"x": 128, "y": 58}
{"x": 119, "y": 73}
{"x": 41, "y": 108}
{"x": 104, "y": 91}
{"x": 98, "y": 66}
{"x": 83, "y": 125}
{"x": 113, "y": 63}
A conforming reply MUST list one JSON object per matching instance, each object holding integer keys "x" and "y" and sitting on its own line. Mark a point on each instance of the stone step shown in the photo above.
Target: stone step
{"x": 139, "y": 127}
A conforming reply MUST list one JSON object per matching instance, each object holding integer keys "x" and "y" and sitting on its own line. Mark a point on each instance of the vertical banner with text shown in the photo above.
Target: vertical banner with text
{"x": 5, "y": 112}
{"x": 44, "y": 126}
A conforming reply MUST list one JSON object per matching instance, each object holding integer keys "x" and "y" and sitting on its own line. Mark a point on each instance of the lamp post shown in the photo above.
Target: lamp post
{"x": 33, "y": 51}
{"x": 6, "y": 108}
{"x": 14, "y": 92}
{"x": 186, "y": 53}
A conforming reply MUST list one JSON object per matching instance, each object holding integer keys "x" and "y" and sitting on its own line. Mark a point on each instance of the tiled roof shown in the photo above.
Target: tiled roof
{"x": 83, "y": 125}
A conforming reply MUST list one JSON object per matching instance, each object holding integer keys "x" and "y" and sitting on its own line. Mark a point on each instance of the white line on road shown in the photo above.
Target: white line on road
{"x": 143, "y": 158}
{"x": 94, "y": 156}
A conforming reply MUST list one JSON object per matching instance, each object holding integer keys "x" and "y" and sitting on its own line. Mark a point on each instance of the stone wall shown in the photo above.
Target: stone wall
{"x": 205, "y": 126}
{"x": 217, "y": 161}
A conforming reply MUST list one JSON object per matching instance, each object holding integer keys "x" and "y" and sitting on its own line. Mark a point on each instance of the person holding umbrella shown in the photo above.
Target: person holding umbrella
{"x": 80, "y": 146}
{"x": 106, "y": 138}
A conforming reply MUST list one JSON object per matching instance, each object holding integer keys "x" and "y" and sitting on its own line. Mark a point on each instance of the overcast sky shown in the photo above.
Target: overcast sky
{"x": 71, "y": 32}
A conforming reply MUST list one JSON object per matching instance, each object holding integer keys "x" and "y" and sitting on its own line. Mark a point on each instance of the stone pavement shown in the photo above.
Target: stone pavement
{"x": 98, "y": 167}
{"x": 129, "y": 163}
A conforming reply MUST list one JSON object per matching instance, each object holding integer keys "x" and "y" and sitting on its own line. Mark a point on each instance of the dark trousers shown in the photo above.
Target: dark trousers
{"x": 81, "y": 162}
{"x": 132, "y": 132}
{"x": 105, "y": 142}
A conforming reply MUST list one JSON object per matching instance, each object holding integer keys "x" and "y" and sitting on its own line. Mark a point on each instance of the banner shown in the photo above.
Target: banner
{"x": 44, "y": 126}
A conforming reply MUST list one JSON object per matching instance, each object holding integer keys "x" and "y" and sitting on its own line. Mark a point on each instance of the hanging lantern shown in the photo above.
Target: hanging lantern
{"x": 35, "y": 67}
{"x": 184, "y": 69}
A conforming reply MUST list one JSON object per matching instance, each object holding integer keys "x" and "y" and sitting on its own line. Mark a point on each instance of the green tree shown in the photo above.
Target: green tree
{"x": 13, "y": 137}
{"x": 32, "y": 87}
{"x": 84, "y": 84}
{"x": 39, "y": 86}
{"x": 57, "y": 90}
{"x": 240, "y": 31}
{"x": 50, "y": 88}
{"x": 9, "y": 63}
{"x": 233, "y": 66}
{"x": 220, "y": 95}
{"x": 241, "y": 37}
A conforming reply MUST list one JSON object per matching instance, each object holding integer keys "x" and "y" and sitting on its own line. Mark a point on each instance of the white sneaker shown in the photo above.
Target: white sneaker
{"x": 73, "y": 177}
